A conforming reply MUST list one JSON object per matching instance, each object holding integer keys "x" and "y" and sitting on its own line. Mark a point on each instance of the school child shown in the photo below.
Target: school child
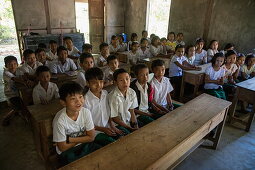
{"x": 133, "y": 55}
{"x": 213, "y": 49}
{"x": 190, "y": 54}
{"x": 161, "y": 85}
{"x": 104, "y": 53}
{"x": 86, "y": 48}
{"x": 44, "y": 91}
{"x": 228, "y": 46}
{"x": 177, "y": 64}
{"x": 29, "y": 67}
{"x": 214, "y": 76}
{"x": 145, "y": 35}
{"x": 40, "y": 56}
{"x": 113, "y": 65}
{"x": 144, "y": 92}
{"x": 122, "y": 44}
{"x": 63, "y": 64}
{"x": 114, "y": 46}
{"x": 10, "y": 90}
{"x": 123, "y": 101}
{"x": 248, "y": 69}
{"x": 72, "y": 51}
{"x": 171, "y": 43}
{"x": 43, "y": 46}
{"x": 134, "y": 37}
{"x": 52, "y": 54}
{"x": 156, "y": 49}
{"x": 201, "y": 54}
{"x": 163, "y": 42}
{"x": 73, "y": 128}
{"x": 86, "y": 62}
{"x": 144, "y": 50}
{"x": 96, "y": 100}
{"x": 240, "y": 62}
{"x": 179, "y": 39}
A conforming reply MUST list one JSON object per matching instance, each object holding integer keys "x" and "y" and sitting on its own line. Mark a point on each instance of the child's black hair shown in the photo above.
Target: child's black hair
{"x": 102, "y": 45}
{"x": 248, "y": 58}
{"x": 171, "y": 33}
{"x": 41, "y": 69}
{"x": 86, "y": 46}
{"x": 163, "y": 39}
{"x": 179, "y": 46}
{"x": 211, "y": 42}
{"x": 83, "y": 56}
{"x": 68, "y": 38}
{"x": 188, "y": 47}
{"x": 118, "y": 72}
{"x": 143, "y": 39}
{"x": 121, "y": 36}
{"x": 229, "y": 53}
{"x": 38, "y": 50}
{"x": 199, "y": 40}
{"x": 69, "y": 88}
{"x": 111, "y": 57}
{"x": 144, "y": 31}
{"x": 8, "y": 59}
{"x": 42, "y": 45}
{"x": 61, "y": 48}
{"x": 27, "y": 52}
{"x": 216, "y": 56}
{"x": 228, "y": 45}
{"x": 240, "y": 55}
{"x": 139, "y": 67}
{"x": 154, "y": 39}
{"x": 53, "y": 42}
{"x": 180, "y": 33}
{"x": 94, "y": 73}
{"x": 133, "y": 35}
{"x": 156, "y": 63}
{"x": 113, "y": 37}
{"x": 134, "y": 43}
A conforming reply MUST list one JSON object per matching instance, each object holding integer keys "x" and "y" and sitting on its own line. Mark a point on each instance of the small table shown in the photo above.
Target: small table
{"x": 245, "y": 92}
{"x": 193, "y": 77}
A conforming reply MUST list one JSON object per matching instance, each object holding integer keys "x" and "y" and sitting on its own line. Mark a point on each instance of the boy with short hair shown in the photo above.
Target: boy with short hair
{"x": 63, "y": 64}
{"x": 73, "y": 52}
{"x": 52, "y": 54}
{"x": 96, "y": 101}
{"x": 179, "y": 39}
{"x": 41, "y": 57}
{"x": 123, "y": 101}
{"x": 86, "y": 48}
{"x": 86, "y": 62}
{"x": 104, "y": 53}
{"x": 113, "y": 65}
{"x": 73, "y": 128}
{"x": 44, "y": 91}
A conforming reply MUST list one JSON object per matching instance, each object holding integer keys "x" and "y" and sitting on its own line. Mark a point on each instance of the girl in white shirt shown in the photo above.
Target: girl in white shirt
{"x": 144, "y": 51}
{"x": 201, "y": 54}
{"x": 122, "y": 44}
{"x": 114, "y": 46}
{"x": 190, "y": 54}
{"x": 156, "y": 48}
{"x": 134, "y": 37}
{"x": 213, "y": 49}
{"x": 248, "y": 69}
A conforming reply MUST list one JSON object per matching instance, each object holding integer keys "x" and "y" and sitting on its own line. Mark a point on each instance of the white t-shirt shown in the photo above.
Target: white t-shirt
{"x": 81, "y": 79}
{"x": 133, "y": 57}
{"x": 122, "y": 47}
{"x": 40, "y": 94}
{"x": 25, "y": 68}
{"x": 99, "y": 108}
{"x": 181, "y": 43}
{"x": 112, "y": 49}
{"x": 174, "y": 70}
{"x": 58, "y": 67}
{"x": 52, "y": 56}
{"x": 10, "y": 89}
{"x": 191, "y": 59}
{"x": 199, "y": 57}
{"x": 73, "y": 52}
{"x": 108, "y": 74}
{"x": 120, "y": 105}
{"x": 144, "y": 106}
{"x": 101, "y": 59}
{"x": 64, "y": 125}
{"x": 229, "y": 72}
{"x": 214, "y": 75}
{"x": 245, "y": 70}
{"x": 210, "y": 54}
{"x": 144, "y": 54}
{"x": 156, "y": 50}
{"x": 161, "y": 89}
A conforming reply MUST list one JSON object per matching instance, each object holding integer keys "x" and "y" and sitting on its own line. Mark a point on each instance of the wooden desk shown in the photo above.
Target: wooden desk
{"x": 148, "y": 61}
{"x": 163, "y": 143}
{"x": 121, "y": 65}
{"x": 195, "y": 78}
{"x": 122, "y": 56}
{"x": 245, "y": 92}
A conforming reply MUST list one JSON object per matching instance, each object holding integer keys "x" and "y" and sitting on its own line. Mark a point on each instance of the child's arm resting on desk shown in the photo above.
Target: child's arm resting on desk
{"x": 121, "y": 123}
{"x": 186, "y": 66}
{"x": 218, "y": 81}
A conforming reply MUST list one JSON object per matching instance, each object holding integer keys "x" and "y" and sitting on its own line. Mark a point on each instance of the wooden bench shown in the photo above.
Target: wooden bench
{"x": 163, "y": 143}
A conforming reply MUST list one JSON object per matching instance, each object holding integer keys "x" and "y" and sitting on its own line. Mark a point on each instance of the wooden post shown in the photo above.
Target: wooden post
{"x": 207, "y": 22}
{"x": 47, "y": 14}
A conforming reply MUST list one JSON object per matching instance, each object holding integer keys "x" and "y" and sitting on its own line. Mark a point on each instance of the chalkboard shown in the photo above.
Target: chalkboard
{"x": 32, "y": 41}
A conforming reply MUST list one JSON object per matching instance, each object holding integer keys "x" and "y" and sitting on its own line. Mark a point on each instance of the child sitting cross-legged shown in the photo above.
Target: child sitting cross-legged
{"x": 96, "y": 100}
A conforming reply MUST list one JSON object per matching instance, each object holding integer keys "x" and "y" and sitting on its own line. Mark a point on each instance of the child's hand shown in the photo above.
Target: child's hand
{"x": 118, "y": 131}
{"x": 29, "y": 83}
{"x": 109, "y": 132}
{"x": 198, "y": 68}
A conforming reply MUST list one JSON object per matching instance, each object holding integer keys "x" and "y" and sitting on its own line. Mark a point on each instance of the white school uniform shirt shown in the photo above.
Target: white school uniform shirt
{"x": 99, "y": 108}
{"x": 144, "y": 54}
{"x": 245, "y": 70}
{"x": 25, "y": 68}
{"x": 210, "y": 54}
{"x": 122, "y": 47}
{"x": 52, "y": 56}
{"x": 144, "y": 106}
{"x": 81, "y": 79}
{"x": 73, "y": 52}
{"x": 101, "y": 59}
{"x": 133, "y": 57}
{"x": 108, "y": 74}
{"x": 156, "y": 50}
{"x": 199, "y": 57}
{"x": 58, "y": 67}
{"x": 181, "y": 43}
{"x": 191, "y": 59}
{"x": 229, "y": 72}
{"x": 214, "y": 75}
{"x": 112, "y": 49}
{"x": 39, "y": 93}
{"x": 64, "y": 125}
{"x": 120, "y": 105}
{"x": 161, "y": 89}
{"x": 174, "y": 70}
{"x": 10, "y": 89}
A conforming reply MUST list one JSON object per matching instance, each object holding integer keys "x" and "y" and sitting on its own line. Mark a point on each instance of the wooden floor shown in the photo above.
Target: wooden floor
{"x": 236, "y": 150}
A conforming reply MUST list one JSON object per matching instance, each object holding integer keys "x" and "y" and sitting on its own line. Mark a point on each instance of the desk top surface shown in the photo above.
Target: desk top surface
{"x": 247, "y": 84}
{"x": 204, "y": 66}
{"x": 145, "y": 146}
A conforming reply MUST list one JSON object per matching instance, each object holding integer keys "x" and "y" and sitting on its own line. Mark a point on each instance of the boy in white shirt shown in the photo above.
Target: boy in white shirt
{"x": 86, "y": 62}
{"x": 40, "y": 55}
{"x": 96, "y": 101}
{"x": 133, "y": 55}
{"x": 179, "y": 39}
{"x": 73, "y": 52}
{"x": 86, "y": 48}
{"x": 144, "y": 51}
{"x": 44, "y": 91}
{"x": 63, "y": 64}
{"x": 104, "y": 53}
{"x": 123, "y": 101}
{"x": 52, "y": 54}
{"x": 122, "y": 44}
{"x": 114, "y": 46}
{"x": 113, "y": 65}
{"x": 73, "y": 128}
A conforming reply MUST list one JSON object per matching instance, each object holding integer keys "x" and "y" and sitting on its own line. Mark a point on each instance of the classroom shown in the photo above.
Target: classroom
{"x": 127, "y": 84}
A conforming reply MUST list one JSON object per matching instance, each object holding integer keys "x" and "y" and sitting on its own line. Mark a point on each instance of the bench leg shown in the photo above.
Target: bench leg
{"x": 233, "y": 106}
{"x": 248, "y": 125}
